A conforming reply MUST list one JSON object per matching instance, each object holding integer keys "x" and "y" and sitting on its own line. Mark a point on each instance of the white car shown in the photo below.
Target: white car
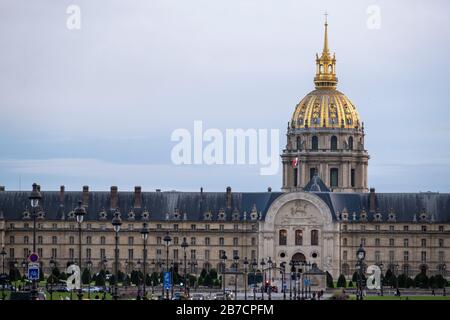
{"x": 197, "y": 296}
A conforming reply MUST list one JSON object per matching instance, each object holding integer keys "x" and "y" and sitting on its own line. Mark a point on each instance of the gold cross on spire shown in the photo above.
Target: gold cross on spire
{"x": 326, "y": 17}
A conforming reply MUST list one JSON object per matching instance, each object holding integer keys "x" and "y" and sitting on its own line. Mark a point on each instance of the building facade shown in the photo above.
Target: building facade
{"x": 324, "y": 212}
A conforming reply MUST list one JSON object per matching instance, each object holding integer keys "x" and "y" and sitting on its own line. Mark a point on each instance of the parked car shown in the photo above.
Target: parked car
{"x": 179, "y": 296}
{"x": 197, "y": 296}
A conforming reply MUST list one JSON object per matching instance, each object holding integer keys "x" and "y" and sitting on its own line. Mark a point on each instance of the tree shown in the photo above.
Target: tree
{"x": 330, "y": 283}
{"x": 100, "y": 278}
{"x": 402, "y": 279}
{"x": 148, "y": 280}
{"x": 409, "y": 283}
{"x": 203, "y": 273}
{"x": 62, "y": 276}
{"x": 85, "y": 276}
{"x": 155, "y": 278}
{"x": 41, "y": 275}
{"x": 440, "y": 281}
{"x": 350, "y": 284}
{"x": 208, "y": 281}
{"x": 213, "y": 274}
{"x": 52, "y": 279}
{"x": 342, "y": 282}
{"x": 192, "y": 280}
{"x": 421, "y": 280}
{"x": 389, "y": 278}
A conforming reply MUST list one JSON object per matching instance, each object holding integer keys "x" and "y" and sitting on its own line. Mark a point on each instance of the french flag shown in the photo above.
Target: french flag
{"x": 295, "y": 162}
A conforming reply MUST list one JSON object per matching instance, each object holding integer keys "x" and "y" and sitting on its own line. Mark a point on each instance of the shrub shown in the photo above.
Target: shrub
{"x": 330, "y": 283}
{"x": 342, "y": 282}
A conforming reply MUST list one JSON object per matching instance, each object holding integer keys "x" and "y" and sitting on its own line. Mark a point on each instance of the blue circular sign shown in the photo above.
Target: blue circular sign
{"x": 33, "y": 257}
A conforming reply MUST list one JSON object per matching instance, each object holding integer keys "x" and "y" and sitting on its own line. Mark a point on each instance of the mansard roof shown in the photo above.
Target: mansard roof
{"x": 406, "y": 207}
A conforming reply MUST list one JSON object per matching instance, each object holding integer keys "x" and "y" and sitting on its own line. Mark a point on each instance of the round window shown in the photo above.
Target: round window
{"x": 282, "y": 254}
{"x": 314, "y": 255}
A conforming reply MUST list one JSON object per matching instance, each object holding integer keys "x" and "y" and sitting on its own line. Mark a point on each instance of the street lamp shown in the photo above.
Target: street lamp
{"x": 236, "y": 262}
{"x": 224, "y": 261}
{"x": 167, "y": 239}
{"x": 80, "y": 212}
{"x": 3, "y": 253}
{"x": 16, "y": 266}
{"x": 360, "y": 255}
{"x": 380, "y": 265}
{"x": 263, "y": 263}
{"x": 35, "y": 197}
{"x": 116, "y": 222}
{"x": 184, "y": 245}
{"x": 245, "y": 277}
{"x": 270, "y": 263}
{"x": 89, "y": 267}
{"x": 254, "y": 267}
{"x": 144, "y": 236}
{"x": 396, "y": 279}
{"x": 104, "y": 262}
{"x": 52, "y": 268}
{"x": 291, "y": 263}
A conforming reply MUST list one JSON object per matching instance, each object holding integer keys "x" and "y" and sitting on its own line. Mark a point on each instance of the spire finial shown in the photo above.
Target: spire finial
{"x": 325, "y": 42}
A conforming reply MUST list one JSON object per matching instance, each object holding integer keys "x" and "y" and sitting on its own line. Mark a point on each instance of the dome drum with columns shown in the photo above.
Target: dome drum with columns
{"x": 325, "y": 136}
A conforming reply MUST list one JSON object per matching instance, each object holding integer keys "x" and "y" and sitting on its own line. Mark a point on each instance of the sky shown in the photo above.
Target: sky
{"x": 97, "y": 105}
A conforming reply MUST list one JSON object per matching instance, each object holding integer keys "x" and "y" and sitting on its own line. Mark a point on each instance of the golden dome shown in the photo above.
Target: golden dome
{"x": 325, "y": 107}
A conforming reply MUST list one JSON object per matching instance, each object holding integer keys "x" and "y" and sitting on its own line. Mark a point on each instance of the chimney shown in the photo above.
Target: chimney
{"x": 137, "y": 197}
{"x": 113, "y": 200}
{"x": 2, "y": 188}
{"x": 269, "y": 189}
{"x": 228, "y": 197}
{"x": 372, "y": 200}
{"x": 38, "y": 188}
{"x": 85, "y": 195}
{"x": 61, "y": 194}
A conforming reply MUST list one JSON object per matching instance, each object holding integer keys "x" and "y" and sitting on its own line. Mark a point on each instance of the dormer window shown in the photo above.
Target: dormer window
{"x": 377, "y": 216}
{"x": 235, "y": 215}
{"x": 71, "y": 215}
{"x": 344, "y": 215}
{"x": 207, "y": 215}
{"x": 221, "y": 215}
{"x": 131, "y": 215}
{"x": 145, "y": 215}
{"x": 41, "y": 215}
{"x": 391, "y": 216}
{"x": 26, "y": 215}
{"x": 254, "y": 213}
{"x": 103, "y": 215}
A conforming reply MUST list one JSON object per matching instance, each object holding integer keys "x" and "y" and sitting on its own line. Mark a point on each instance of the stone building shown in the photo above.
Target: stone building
{"x": 324, "y": 212}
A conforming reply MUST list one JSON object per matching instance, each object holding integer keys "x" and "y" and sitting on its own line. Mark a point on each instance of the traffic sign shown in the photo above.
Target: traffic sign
{"x": 33, "y": 271}
{"x": 167, "y": 280}
{"x": 33, "y": 257}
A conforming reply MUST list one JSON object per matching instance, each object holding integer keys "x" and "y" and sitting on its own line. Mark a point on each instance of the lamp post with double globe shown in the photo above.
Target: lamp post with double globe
{"x": 263, "y": 263}
{"x": 360, "y": 255}
{"x": 52, "y": 276}
{"x": 35, "y": 198}
{"x": 167, "y": 239}
{"x": 245, "y": 277}
{"x": 116, "y": 222}
{"x": 3, "y": 275}
{"x": 80, "y": 212}
{"x": 236, "y": 268}
{"x": 144, "y": 236}
{"x": 184, "y": 245}
{"x": 224, "y": 261}
{"x": 89, "y": 267}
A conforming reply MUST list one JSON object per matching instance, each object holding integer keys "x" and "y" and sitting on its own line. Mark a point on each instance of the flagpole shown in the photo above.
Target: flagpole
{"x": 298, "y": 168}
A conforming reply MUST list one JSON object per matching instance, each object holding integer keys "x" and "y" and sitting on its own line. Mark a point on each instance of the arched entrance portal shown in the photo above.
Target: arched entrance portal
{"x": 299, "y": 257}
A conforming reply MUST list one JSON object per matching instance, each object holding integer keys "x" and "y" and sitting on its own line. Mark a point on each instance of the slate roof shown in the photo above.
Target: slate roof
{"x": 406, "y": 207}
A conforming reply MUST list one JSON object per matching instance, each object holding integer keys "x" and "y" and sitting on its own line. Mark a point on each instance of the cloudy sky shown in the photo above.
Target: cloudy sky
{"x": 97, "y": 105}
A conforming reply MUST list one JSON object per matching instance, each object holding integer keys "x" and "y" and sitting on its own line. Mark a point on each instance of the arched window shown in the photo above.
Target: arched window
{"x": 345, "y": 269}
{"x": 298, "y": 237}
{"x": 312, "y": 173}
{"x": 314, "y": 237}
{"x": 330, "y": 68}
{"x": 333, "y": 143}
{"x": 334, "y": 173}
{"x": 299, "y": 141}
{"x": 283, "y": 238}
{"x": 315, "y": 143}
{"x": 321, "y": 68}
{"x": 350, "y": 143}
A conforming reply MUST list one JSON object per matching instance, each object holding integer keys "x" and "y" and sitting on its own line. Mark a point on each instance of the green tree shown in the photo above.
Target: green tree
{"x": 192, "y": 280}
{"x": 41, "y": 275}
{"x": 421, "y": 280}
{"x": 410, "y": 283}
{"x": 62, "y": 276}
{"x": 402, "y": 280}
{"x": 203, "y": 273}
{"x": 155, "y": 278}
{"x": 342, "y": 282}
{"x": 100, "y": 278}
{"x": 440, "y": 281}
{"x": 389, "y": 278}
{"x": 350, "y": 284}
{"x": 330, "y": 283}
{"x": 208, "y": 281}
{"x": 213, "y": 274}
{"x": 85, "y": 277}
{"x": 52, "y": 279}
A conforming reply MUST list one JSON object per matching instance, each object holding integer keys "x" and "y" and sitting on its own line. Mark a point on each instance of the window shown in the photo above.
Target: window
{"x": 54, "y": 240}
{"x": 424, "y": 228}
{"x": 363, "y": 241}
{"x": 282, "y": 241}
{"x": 344, "y": 254}
{"x": 102, "y": 240}
{"x": 236, "y": 227}
{"x": 89, "y": 226}
{"x": 391, "y": 242}
{"x": 130, "y": 241}
{"x": 221, "y": 241}
{"x": 344, "y": 227}
{"x": 441, "y": 228}
{"x": 25, "y": 240}
{"x": 193, "y": 226}
{"x": 405, "y": 228}
{"x": 377, "y": 228}
{"x": 11, "y": 253}
{"x": 40, "y": 240}
{"x": 441, "y": 243}
{"x": 159, "y": 226}
{"x": 406, "y": 255}
{"x": 71, "y": 253}
{"x": 175, "y": 240}
{"x": 193, "y": 255}
{"x": 344, "y": 242}
{"x": 130, "y": 226}
{"x": 391, "y": 256}
{"x": 333, "y": 143}
{"x": 350, "y": 143}
{"x": 441, "y": 257}
{"x": 253, "y": 227}
{"x": 295, "y": 177}
{"x": 158, "y": 240}
{"x": 423, "y": 242}
{"x": 88, "y": 253}
{"x": 253, "y": 241}
{"x": 26, "y": 252}
{"x": 377, "y": 242}
{"x": 207, "y": 227}
{"x": 102, "y": 254}
{"x": 175, "y": 254}
{"x": 315, "y": 143}
{"x": 89, "y": 240}
{"x": 193, "y": 241}
{"x": 363, "y": 227}
{"x": 175, "y": 227}
{"x": 334, "y": 177}
{"x": 54, "y": 226}
{"x": 314, "y": 237}
{"x": 235, "y": 253}
{"x": 71, "y": 240}
{"x": 405, "y": 243}
{"x": 11, "y": 239}
{"x": 253, "y": 255}
{"x": 11, "y": 225}
{"x": 352, "y": 177}
{"x": 54, "y": 253}
{"x": 221, "y": 227}
{"x": 40, "y": 252}
{"x": 235, "y": 242}
{"x": 206, "y": 255}
{"x": 377, "y": 257}
{"x": 298, "y": 237}
{"x": 26, "y": 225}
{"x": 391, "y": 228}
{"x": 312, "y": 173}
{"x": 423, "y": 256}
{"x": 207, "y": 241}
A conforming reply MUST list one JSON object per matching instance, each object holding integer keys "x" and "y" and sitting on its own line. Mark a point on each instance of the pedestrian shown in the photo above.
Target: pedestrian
{"x": 432, "y": 292}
